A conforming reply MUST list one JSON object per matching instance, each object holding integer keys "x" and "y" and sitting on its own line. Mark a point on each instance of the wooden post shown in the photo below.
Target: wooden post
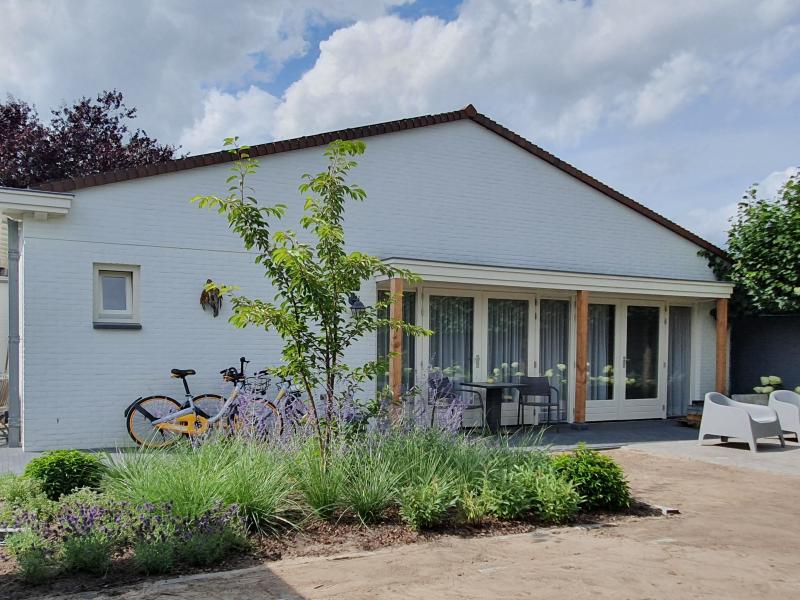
{"x": 722, "y": 346}
{"x": 396, "y": 341}
{"x": 581, "y": 354}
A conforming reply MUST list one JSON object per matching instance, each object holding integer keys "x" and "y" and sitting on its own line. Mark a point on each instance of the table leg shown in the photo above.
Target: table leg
{"x": 494, "y": 401}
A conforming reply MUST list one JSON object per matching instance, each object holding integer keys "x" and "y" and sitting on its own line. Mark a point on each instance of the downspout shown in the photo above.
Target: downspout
{"x": 14, "y": 413}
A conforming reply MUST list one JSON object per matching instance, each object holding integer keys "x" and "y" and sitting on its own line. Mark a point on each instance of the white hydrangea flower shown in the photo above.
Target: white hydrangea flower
{"x": 548, "y": 373}
{"x": 561, "y": 367}
{"x": 765, "y": 380}
{"x": 515, "y": 365}
{"x": 768, "y": 389}
{"x": 775, "y": 380}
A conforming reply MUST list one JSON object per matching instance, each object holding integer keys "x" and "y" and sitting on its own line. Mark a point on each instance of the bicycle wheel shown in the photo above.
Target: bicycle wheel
{"x": 210, "y": 404}
{"x": 257, "y": 418}
{"x": 140, "y": 421}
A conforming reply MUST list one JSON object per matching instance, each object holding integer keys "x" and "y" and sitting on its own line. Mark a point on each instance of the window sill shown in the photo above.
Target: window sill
{"x": 105, "y": 325}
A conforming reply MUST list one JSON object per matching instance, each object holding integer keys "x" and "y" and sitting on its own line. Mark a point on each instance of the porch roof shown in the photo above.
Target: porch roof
{"x": 490, "y": 275}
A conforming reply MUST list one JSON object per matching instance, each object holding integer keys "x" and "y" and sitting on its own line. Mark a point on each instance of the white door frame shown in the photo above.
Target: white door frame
{"x": 643, "y": 408}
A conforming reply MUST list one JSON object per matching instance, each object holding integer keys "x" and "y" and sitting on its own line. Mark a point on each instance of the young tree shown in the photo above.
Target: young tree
{"x": 764, "y": 251}
{"x": 313, "y": 283}
{"x": 91, "y": 136}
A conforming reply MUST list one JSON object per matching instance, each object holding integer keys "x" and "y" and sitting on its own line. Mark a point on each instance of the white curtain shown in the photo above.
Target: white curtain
{"x": 554, "y": 346}
{"x": 601, "y": 351}
{"x": 508, "y": 339}
{"x": 451, "y": 319}
{"x": 680, "y": 360}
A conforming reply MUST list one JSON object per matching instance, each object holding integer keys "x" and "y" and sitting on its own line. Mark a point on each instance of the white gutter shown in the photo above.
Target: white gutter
{"x": 18, "y": 203}
{"x": 487, "y": 275}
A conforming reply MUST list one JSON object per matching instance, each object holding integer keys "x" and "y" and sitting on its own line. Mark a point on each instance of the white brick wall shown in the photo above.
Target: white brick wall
{"x": 452, "y": 192}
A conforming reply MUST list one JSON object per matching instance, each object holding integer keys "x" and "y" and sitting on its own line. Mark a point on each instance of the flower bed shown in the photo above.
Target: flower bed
{"x": 227, "y": 502}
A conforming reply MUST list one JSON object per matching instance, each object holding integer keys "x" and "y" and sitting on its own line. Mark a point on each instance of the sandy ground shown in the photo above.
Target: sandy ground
{"x": 738, "y": 536}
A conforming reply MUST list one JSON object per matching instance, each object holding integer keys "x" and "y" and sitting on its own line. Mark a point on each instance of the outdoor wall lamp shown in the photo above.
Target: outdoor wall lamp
{"x": 357, "y": 307}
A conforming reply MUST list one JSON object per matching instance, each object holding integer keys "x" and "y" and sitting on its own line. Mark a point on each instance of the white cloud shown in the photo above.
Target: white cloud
{"x": 712, "y": 223}
{"x": 671, "y": 85}
{"x": 771, "y": 185}
{"x": 247, "y": 113}
{"x": 556, "y": 70}
{"x": 167, "y": 56}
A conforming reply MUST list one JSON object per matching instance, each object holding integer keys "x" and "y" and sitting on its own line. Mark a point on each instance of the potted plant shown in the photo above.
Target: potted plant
{"x": 769, "y": 383}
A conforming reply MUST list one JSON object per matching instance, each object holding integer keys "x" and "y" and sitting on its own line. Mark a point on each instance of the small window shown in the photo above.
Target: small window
{"x": 116, "y": 297}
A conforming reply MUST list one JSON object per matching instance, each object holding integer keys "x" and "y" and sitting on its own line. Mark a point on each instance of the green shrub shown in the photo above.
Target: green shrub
{"x": 424, "y": 502}
{"x": 34, "y": 555}
{"x": 475, "y": 504}
{"x": 61, "y": 471}
{"x": 370, "y": 488}
{"x": 87, "y": 553}
{"x": 19, "y": 494}
{"x": 556, "y": 499}
{"x": 511, "y": 493}
{"x": 205, "y": 548}
{"x": 154, "y": 557}
{"x": 596, "y": 477}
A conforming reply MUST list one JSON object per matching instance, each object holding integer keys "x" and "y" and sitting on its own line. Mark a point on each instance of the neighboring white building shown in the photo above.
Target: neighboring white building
{"x": 503, "y": 234}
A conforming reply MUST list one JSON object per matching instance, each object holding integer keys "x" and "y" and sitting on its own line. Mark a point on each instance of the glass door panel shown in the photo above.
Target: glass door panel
{"x": 641, "y": 352}
{"x": 554, "y": 346}
{"x": 507, "y": 339}
{"x": 451, "y": 345}
{"x": 680, "y": 360}
{"x": 601, "y": 351}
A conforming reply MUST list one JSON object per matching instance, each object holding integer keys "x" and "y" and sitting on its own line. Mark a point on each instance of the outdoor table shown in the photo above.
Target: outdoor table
{"x": 494, "y": 398}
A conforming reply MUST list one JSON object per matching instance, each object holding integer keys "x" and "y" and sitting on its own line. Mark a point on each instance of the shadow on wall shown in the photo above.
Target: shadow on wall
{"x": 767, "y": 345}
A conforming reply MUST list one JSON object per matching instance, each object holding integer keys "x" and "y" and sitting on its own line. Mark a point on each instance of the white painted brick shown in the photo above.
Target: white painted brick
{"x": 452, "y": 192}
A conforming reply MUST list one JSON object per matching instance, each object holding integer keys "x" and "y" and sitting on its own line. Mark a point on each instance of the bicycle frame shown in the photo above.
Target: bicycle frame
{"x": 166, "y": 422}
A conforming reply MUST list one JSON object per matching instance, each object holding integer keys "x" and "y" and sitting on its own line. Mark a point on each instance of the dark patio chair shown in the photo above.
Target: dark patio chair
{"x": 442, "y": 394}
{"x": 538, "y": 393}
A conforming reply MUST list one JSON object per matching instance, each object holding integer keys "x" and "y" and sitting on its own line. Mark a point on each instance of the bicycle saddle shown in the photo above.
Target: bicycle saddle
{"x": 182, "y": 372}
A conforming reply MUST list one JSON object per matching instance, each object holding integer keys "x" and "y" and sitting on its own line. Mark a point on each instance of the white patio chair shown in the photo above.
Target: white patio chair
{"x": 727, "y": 418}
{"x": 787, "y": 404}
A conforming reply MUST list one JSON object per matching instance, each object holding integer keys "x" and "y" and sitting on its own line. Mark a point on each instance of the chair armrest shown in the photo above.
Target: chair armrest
{"x": 461, "y": 390}
{"x": 756, "y": 411}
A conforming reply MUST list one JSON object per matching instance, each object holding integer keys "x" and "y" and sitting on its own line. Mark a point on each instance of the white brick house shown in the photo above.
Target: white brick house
{"x": 512, "y": 244}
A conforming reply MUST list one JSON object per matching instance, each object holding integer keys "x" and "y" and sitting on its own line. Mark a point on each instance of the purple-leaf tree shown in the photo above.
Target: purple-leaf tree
{"x": 91, "y": 136}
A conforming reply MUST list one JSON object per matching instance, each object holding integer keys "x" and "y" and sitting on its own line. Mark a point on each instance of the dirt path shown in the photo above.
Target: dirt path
{"x": 738, "y": 536}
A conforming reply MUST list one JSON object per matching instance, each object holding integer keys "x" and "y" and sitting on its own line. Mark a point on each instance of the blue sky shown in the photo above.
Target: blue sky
{"x": 681, "y": 105}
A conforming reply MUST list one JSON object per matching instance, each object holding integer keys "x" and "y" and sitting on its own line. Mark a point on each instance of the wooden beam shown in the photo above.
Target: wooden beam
{"x": 722, "y": 346}
{"x": 396, "y": 341}
{"x": 581, "y": 355}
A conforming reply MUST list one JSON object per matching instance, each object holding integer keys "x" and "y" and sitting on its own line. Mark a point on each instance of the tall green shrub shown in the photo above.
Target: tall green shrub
{"x": 60, "y": 472}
